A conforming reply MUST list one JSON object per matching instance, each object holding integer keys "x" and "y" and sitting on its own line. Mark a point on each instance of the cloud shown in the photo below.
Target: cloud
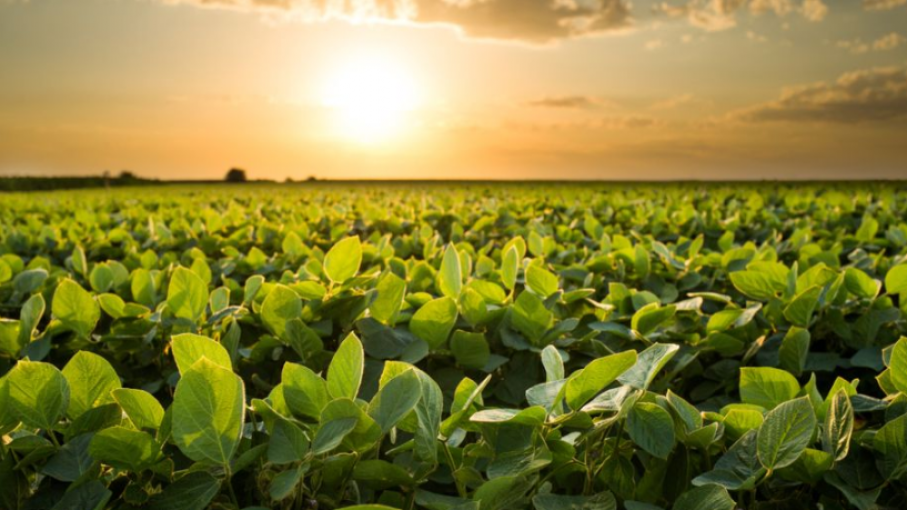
{"x": 870, "y": 95}
{"x": 882, "y": 5}
{"x": 532, "y": 21}
{"x": 673, "y": 102}
{"x": 886, "y": 42}
{"x": 718, "y": 15}
{"x": 654, "y": 44}
{"x": 567, "y": 102}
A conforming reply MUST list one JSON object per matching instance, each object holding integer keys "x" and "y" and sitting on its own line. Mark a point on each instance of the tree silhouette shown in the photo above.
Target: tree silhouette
{"x": 236, "y": 175}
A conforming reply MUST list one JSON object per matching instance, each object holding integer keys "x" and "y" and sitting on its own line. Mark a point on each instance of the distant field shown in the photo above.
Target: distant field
{"x": 450, "y": 346}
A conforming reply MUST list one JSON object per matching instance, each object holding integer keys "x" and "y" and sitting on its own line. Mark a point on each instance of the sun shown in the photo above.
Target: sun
{"x": 371, "y": 98}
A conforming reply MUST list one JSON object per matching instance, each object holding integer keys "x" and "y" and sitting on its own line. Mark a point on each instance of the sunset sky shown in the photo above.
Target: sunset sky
{"x": 503, "y": 89}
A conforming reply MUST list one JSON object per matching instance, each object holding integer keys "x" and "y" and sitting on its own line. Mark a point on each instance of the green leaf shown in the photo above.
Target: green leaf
{"x": 72, "y": 461}
{"x": 391, "y": 289}
{"x": 284, "y": 484}
{"x": 738, "y": 468}
{"x": 194, "y": 491}
{"x": 89, "y": 496}
{"x": 345, "y": 371}
{"x": 280, "y": 306}
{"x": 450, "y": 277}
{"x": 470, "y": 349}
{"x": 786, "y": 433}
{"x": 188, "y": 348}
{"x": 395, "y": 400}
{"x": 288, "y": 443}
{"x": 74, "y": 307}
{"x": 331, "y": 433}
{"x": 142, "y": 409}
{"x": 304, "y": 391}
{"x": 839, "y": 422}
{"x": 187, "y": 295}
{"x": 767, "y": 387}
{"x": 428, "y": 415}
{"x": 891, "y": 442}
{"x": 434, "y": 321}
{"x": 896, "y": 280}
{"x": 29, "y": 317}
{"x": 860, "y": 284}
{"x": 553, "y": 363}
{"x": 794, "y": 350}
{"x": 800, "y": 310}
{"x": 530, "y": 317}
{"x": 38, "y": 394}
{"x": 600, "y": 501}
{"x": 91, "y": 378}
{"x": 648, "y": 363}
{"x": 541, "y": 281}
{"x": 343, "y": 260}
{"x": 208, "y": 412}
{"x": 101, "y": 278}
{"x": 124, "y": 448}
{"x": 650, "y": 317}
{"x": 596, "y": 376}
{"x": 898, "y": 365}
{"x": 707, "y": 497}
{"x": 509, "y": 266}
{"x": 652, "y": 428}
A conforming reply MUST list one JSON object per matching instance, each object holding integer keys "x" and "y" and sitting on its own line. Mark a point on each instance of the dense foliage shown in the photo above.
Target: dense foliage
{"x": 474, "y": 347}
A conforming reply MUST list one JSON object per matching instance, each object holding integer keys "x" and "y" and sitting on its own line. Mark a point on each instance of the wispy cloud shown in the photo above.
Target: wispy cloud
{"x": 886, "y": 42}
{"x": 868, "y": 95}
{"x": 575, "y": 102}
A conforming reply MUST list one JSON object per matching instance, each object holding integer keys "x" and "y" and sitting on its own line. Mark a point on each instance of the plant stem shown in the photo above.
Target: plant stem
{"x": 450, "y": 461}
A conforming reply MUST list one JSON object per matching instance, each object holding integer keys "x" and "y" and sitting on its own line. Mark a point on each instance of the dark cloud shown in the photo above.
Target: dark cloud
{"x": 533, "y": 21}
{"x": 567, "y": 102}
{"x": 861, "y": 96}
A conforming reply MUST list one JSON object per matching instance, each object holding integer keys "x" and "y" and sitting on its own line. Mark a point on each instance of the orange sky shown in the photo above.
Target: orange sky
{"x": 504, "y": 89}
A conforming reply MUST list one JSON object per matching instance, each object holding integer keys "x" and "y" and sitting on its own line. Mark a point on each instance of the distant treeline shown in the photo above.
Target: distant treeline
{"x": 54, "y": 183}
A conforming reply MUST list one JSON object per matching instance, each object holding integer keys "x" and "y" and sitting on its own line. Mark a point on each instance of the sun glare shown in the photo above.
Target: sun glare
{"x": 371, "y": 98}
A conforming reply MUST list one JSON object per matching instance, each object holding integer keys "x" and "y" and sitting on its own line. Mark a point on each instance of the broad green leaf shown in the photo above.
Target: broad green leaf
{"x": 648, "y": 363}
{"x": 92, "y": 495}
{"x": 304, "y": 391}
{"x": 450, "y": 277}
{"x": 553, "y": 363}
{"x": 434, "y": 321}
{"x": 124, "y": 448}
{"x": 91, "y": 378}
{"x": 395, "y": 400}
{"x": 470, "y": 349}
{"x": 891, "y": 442}
{"x": 194, "y": 491}
{"x": 707, "y": 497}
{"x": 838, "y": 427}
{"x": 898, "y": 364}
{"x": 759, "y": 285}
{"x": 860, "y": 284}
{"x": 541, "y": 281}
{"x": 281, "y": 305}
{"x": 74, "y": 307}
{"x": 600, "y": 501}
{"x": 794, "y": 350}
{"x": 142, "y": 409}
{"x": 896, "y": 280}
{"x": 391, "y": 289}
{"x": 786, "y": 433}
{"x": 38, "y": 394}
{"x": 188, "y": 348}
{"x": 767, "y": 387}
{"x": 738, "y": 468}
{"x": 530, "y": 317}
{"x": 343, "y": 260}
{"x": 428, "y": 415}
{"x": 284, "y": 484}
{"x": 288, "y": 443}
{"x": 650, "y": 317}
{"x": 652, "y": 428}
{"x": 187, "y": 295}
{"x": 509, "y": 266}
{"x": 72, "y": 460}
{"x": 101, "y": 278}
{"x": 596, "y": 376}
{"x": 345, "y": 371}
{"x": 800, "y": 310}
{"x": 331, "y": 433}
{"x": 208, "y": 412}
{"x": 29, "y": 317}
{"x": 9, "y": 338}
